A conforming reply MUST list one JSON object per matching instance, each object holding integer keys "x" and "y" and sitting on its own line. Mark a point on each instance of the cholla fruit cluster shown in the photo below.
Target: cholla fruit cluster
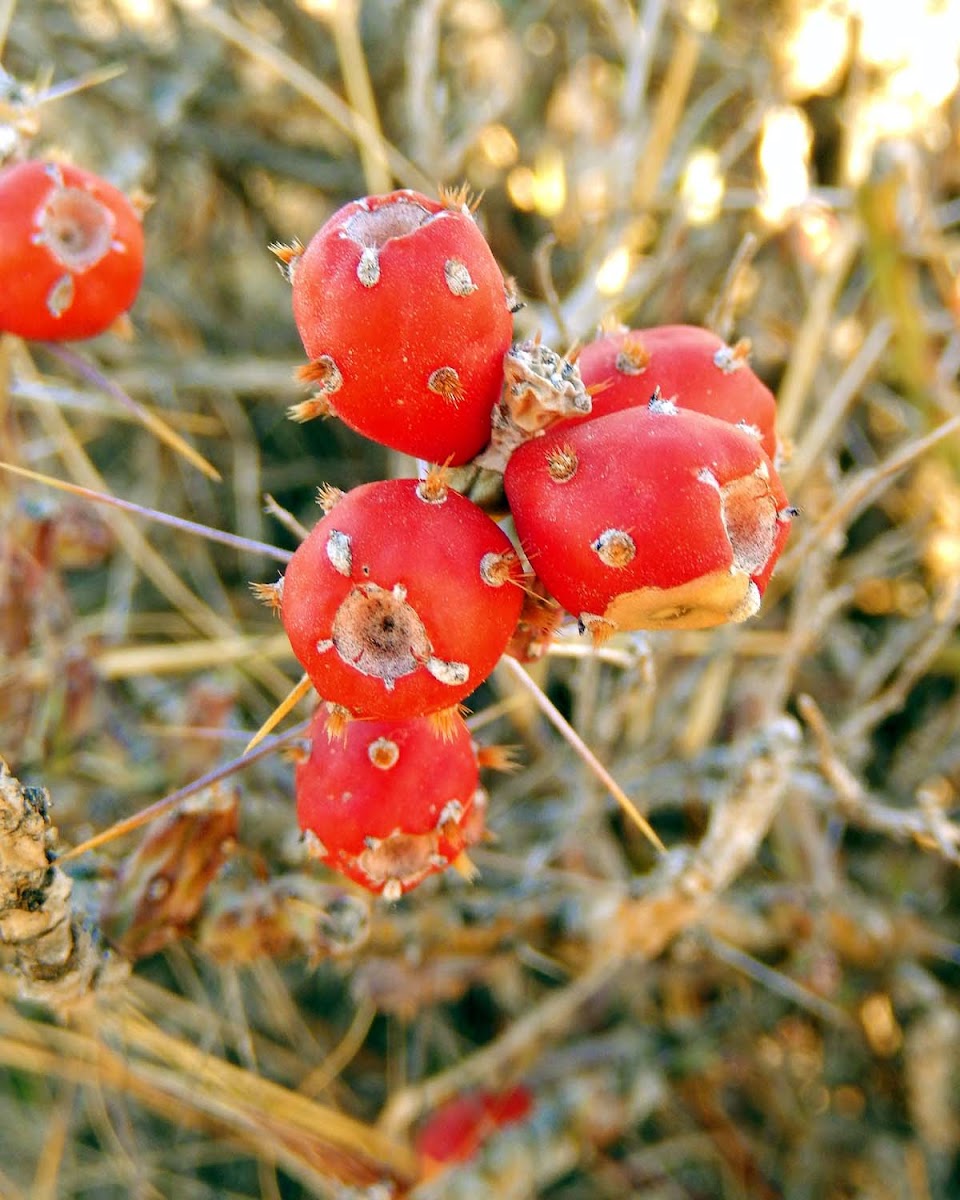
{"x": 641, "y": 481}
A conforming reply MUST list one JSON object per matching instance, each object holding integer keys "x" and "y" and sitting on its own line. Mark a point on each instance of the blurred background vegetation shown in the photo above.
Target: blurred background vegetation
{"x": 770, "y": 1010}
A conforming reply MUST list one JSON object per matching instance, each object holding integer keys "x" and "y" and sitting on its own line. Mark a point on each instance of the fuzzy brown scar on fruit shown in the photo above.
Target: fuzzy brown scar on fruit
{"x": 339, "y": 552}
{"x": 615, "y": 548}
{"x": 749, "y": 515}
{"x": 76, "y": 229}
{"x": 380, "y": 634}
{"x": 401, "y": 860}
{"x": 458, "y": 277}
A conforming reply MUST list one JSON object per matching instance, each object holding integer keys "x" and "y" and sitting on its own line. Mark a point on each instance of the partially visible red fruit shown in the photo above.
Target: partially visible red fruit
{"x": 71, "y": 252}
{"x": 693, "y": 367}
{"x": 401, "y": 307}
{"x": 388, "y": 804}
{"x": 650, "y": 518}
{"x": 455, "y": 1131}
{"x": 402, "y": 598}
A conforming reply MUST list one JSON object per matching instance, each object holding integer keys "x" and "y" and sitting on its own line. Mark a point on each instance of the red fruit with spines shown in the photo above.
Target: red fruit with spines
{"x": 402, "y": 310}
{"x": 456, "y": 1130}
{"x": 649, "y": 518}
{"x": 71, "y": 252}
{"x": 691, "y": 366}
{"x": 388, "y": 804}
{"x": 402, "y": 599}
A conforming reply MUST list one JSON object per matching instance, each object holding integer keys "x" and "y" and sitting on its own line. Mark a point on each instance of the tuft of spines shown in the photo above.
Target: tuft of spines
{"x": 460, "y": 199}
{"x": 599, "y": 628}
{"x": 287, "y": 253}
{"x": 733, "y": 358}
{"x": 665, "y": 406}
{"x": 562, "y": 463}
{"x": 270, "y": 594}
{"x": 321, "y": 373}
{"x": 497, "y": 569}
{"x": 633, "y": 357}
{"x": 499, "y": 758}
{"x": 435, "y": 485}
{"x": 445, "y": 382}
{"x": 445, "y": 721}
{"x": 338, "y": 718}
{"x": 328, "y": 497}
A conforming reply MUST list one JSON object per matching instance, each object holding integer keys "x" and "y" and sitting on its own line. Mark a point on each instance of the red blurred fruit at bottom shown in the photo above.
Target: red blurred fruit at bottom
{"x": 456, "y": 1131}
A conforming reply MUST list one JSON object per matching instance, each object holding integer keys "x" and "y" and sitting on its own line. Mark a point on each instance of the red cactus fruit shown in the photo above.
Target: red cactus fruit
{"x": 693, "y": 367}
{"x": 71, "y": 252}
{"x": 456, "y": 1130}
{"x": 402, "y": 309}
{"x": 650, "y": 518}
{"x": 402, "y": 598}
{"x": 388, "y": 805}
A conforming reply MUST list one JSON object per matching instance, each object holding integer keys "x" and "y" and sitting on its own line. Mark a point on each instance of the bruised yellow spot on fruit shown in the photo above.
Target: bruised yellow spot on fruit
{"x": 750, "y": 517}
{"x": 562, "y": 463}
{"x": 633, "y": 357}
{"x": 748, "y": 511}
{"x": 713, "y": 599}
{"x": 383, "y": 753}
